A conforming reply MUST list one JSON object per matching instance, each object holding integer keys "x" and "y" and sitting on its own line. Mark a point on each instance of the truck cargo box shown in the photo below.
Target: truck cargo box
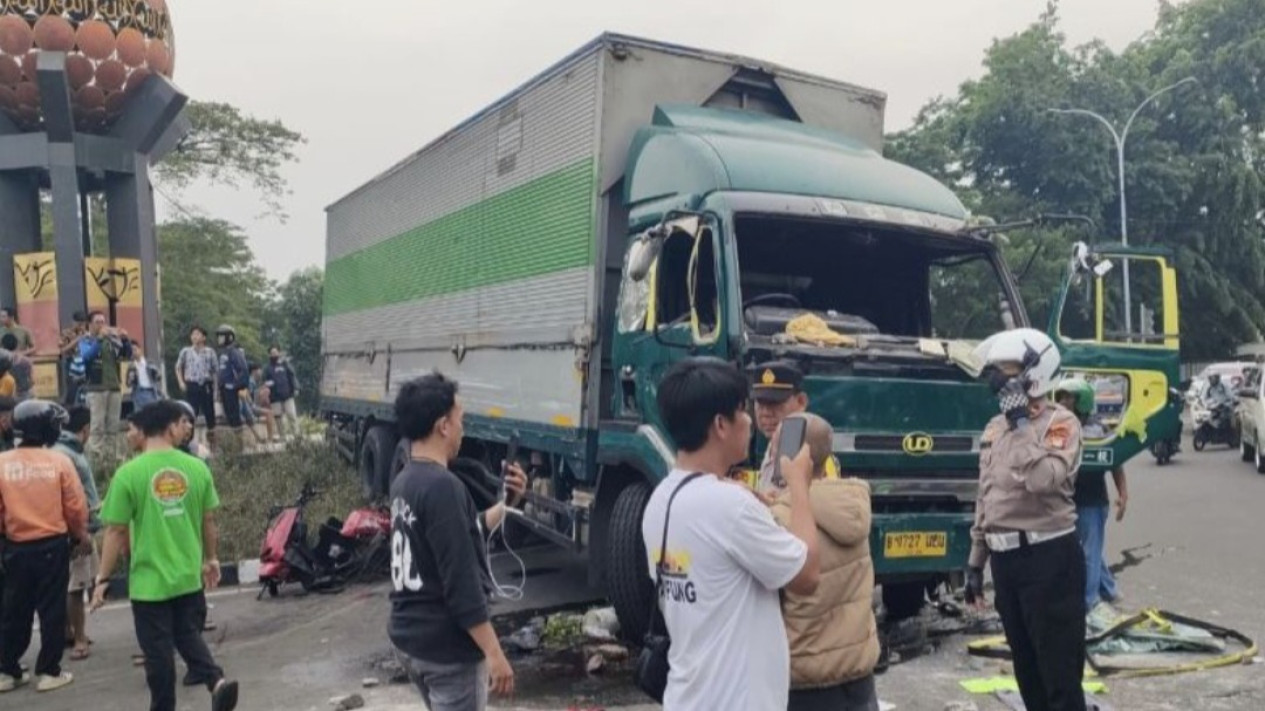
{"x": 486, "y": 254}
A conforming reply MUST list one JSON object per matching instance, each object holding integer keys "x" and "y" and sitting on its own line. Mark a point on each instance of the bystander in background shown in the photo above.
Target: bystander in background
{"x": 22, "y": 370}
{"x": 83, "y": 560}
{"x": 283, "y": 387}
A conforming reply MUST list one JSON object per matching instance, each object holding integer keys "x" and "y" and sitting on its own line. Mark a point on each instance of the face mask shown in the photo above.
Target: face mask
{"x": 995, "y": 378}
{"x": 275, "y": 359}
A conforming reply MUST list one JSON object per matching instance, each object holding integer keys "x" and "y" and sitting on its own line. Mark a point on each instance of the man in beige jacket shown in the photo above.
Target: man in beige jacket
{"x": 832, "y": 633}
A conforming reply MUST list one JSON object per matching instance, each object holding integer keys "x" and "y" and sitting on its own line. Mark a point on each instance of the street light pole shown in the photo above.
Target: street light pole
{"x": 1121, "y": 137}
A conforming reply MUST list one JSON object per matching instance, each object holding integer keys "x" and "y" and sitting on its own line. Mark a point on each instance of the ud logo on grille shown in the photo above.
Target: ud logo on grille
{"x": 917, "y": 443}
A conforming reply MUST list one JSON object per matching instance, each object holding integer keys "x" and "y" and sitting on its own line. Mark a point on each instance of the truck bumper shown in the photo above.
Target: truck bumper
{"x": 914, "y": 545}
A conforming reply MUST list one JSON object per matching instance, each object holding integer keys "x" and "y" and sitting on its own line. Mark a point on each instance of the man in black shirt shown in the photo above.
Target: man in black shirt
{"x": 439, "y": 570}
{"x": 283, "y": 386}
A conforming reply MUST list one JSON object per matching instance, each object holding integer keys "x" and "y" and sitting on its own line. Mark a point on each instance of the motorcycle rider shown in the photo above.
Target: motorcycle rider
{"x": 234, "y": 377}
{"x": 1218, "y": 401}
{"x": 43, "y": 514}
{"x": 1217, "y": 393}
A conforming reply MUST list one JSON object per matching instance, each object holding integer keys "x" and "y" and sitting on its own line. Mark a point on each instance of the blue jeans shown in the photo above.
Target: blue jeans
{"x": 1091, "y": 528}
{"x": 143, "y": 396}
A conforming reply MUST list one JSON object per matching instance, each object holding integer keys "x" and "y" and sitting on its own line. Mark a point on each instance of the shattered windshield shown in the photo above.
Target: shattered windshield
{"x": 864, "y": 281}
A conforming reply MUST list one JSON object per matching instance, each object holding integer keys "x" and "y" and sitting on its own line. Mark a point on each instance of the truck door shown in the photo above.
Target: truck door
{"x": 1132, "y": 361}
{"x": 675, "y": 311}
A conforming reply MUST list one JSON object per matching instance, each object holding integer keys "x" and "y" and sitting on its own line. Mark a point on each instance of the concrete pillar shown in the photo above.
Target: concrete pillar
{"x": 130, "y": 215}
{"x": 19, "y": 225}
{"x": 63, "y": 173}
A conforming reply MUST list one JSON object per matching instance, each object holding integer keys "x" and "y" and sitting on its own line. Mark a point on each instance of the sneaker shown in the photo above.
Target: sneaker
{"x": 53, "y": 683}
{"x": 224, "y": 698}
{"x": 8, "y": 683}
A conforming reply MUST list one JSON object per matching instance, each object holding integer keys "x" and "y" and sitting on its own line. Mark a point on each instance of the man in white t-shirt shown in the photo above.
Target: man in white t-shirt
{"x": 726, "y": 556}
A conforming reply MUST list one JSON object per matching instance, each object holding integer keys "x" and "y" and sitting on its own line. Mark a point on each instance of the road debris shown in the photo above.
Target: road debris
{"x": 348, "y": 702}
{"x": 525, "y": 640}
{"x": 370, "y": 682}
{"x": 601, "y": 624}
{"x": 563, "y": 630}
{"x": 611, "y": 652}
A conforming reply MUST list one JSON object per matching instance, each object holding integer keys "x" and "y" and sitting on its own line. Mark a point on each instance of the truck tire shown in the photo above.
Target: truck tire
{"x": 376, "y": 454}
{"x": 482, "y": 484}
{"x": 399, "y": 460}
{"x": 1246, "y": 451}
{"x": 904, "y": 600}
{"x": 628, "y": 585}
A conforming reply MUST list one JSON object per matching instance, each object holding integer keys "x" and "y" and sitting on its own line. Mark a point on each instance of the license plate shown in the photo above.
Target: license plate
{"x": 925, "y": 544}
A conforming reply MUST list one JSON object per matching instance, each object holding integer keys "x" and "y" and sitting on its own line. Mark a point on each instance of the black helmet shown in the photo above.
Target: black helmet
{"x": 39, "y": 422}
{"x": 227, "y": 333}
{"x": 188, "y": 410}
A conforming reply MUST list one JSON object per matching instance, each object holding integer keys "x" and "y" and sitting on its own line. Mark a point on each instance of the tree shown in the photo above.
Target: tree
{"x": 227, "y": 147}
{"x": 1195, "y": 156}
{"x": 294, "y": 322}
{"x": 208, "y": 277}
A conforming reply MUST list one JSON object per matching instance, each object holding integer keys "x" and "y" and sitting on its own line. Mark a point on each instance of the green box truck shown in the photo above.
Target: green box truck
{"x": 639, "y": 203}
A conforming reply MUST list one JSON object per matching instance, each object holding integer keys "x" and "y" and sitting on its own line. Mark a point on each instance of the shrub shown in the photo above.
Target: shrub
{"x": 250, "y": 485}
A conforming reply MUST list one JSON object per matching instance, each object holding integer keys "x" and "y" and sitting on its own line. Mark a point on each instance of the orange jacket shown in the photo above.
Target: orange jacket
{"x": 40, "y": 496}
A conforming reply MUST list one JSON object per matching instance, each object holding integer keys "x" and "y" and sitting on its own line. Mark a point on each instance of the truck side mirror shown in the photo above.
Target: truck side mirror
{"x": 1085, "y": 260}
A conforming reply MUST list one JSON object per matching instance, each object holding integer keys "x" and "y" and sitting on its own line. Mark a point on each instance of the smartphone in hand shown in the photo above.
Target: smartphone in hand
{"x": 790, "y": 439}
{"x": 511, "y": 457}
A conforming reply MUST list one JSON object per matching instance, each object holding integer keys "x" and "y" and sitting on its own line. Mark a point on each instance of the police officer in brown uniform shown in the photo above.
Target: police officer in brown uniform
{"x": 777, "y": 388}
{"x": 1025, "y": 521}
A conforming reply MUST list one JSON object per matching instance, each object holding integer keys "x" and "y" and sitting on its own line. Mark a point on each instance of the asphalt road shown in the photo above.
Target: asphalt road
{"x": 1190, "y": 544}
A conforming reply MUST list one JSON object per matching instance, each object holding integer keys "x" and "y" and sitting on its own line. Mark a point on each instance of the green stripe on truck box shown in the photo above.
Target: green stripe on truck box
{"x": 543, "y": 226}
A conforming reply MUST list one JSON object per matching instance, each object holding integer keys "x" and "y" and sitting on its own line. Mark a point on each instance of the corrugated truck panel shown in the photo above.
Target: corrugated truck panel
{"x": 426, "y": 258}
{"x": 484, "y": 243}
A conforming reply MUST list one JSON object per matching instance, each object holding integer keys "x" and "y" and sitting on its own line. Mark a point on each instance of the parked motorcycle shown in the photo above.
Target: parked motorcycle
{"x": 1214, "y": 425}
{"x": 345, "y": 551}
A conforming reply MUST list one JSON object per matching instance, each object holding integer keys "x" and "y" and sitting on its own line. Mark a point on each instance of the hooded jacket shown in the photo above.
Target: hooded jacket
{"x": 832, "y": 633}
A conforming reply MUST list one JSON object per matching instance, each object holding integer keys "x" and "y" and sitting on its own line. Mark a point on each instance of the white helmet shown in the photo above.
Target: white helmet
{"x": 1028, "y": 346}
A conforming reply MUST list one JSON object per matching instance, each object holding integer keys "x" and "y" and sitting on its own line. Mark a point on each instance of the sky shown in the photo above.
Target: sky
{"x": 368, "y": 83}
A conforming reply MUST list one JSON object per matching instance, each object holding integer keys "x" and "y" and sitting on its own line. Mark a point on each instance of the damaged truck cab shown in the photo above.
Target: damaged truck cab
{"x": 746, "y": 228}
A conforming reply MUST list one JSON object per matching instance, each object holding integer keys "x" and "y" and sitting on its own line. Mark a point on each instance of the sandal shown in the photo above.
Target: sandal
{"x": 78, "y": 654}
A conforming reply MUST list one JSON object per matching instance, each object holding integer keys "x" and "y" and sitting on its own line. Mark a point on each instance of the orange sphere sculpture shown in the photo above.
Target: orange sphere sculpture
{"x": 111, "y": 47}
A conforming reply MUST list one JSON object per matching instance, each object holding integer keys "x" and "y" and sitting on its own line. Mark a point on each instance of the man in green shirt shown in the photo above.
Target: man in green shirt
{"x": 165, "y": 500}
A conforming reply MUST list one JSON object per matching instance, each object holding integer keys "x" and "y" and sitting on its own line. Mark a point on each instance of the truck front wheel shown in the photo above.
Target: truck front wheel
{"x": 628, "y": 583}
{"x": 904, "y": 600}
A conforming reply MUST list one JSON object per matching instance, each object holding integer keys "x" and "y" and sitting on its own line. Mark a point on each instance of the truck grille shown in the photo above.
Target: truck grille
{"x": 896, "y": 443}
